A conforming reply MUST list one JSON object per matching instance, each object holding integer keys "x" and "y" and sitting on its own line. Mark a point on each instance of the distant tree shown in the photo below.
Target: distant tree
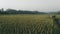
{"x": 13, "y": 11}
{"x": 2, "y": 9}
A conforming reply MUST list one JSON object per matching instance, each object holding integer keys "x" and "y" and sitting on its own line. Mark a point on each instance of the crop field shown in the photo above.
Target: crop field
{"x": 28, "y": 24}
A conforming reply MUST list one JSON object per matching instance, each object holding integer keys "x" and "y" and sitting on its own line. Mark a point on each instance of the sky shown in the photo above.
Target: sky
{"x": 33, "y": 5}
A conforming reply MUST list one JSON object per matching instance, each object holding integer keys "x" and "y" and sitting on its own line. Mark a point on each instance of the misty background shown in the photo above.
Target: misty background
{"x": 32, "y": 5}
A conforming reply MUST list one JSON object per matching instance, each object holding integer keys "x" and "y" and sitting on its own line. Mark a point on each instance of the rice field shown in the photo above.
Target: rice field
{"x": 28, "y": 24}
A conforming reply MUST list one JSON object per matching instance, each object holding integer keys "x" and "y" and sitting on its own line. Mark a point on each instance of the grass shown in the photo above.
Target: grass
{"x": 27, "y": 24}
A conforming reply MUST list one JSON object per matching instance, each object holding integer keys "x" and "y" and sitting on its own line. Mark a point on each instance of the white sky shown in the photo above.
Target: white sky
{"x": 39, "y": 5}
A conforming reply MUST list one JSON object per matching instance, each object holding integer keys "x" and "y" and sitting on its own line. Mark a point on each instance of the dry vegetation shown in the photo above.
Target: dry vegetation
{"x": 27, "y": 24}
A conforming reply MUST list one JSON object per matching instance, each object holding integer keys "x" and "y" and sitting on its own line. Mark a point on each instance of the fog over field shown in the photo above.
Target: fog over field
{"x": 35, "y": 5}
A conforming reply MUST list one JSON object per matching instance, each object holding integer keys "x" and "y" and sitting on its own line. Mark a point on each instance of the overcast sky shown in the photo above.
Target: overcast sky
{"x": 35, "y": 5}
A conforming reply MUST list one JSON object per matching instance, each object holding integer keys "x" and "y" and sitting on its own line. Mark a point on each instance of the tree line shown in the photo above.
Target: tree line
{"x": 13, "y": 11}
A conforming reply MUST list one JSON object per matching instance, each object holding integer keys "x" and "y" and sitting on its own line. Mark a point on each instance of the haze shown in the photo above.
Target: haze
{"x": 35, "y": 5}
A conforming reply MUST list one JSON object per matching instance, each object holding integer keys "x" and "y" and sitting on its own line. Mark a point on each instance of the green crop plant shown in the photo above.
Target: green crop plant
{"x": 27, "y": 24}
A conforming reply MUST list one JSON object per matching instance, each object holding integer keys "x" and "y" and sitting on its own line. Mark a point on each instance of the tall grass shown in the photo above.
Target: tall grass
{"x": 27, "y": 24}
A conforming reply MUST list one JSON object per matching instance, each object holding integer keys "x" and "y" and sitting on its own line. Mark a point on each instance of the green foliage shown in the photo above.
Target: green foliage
{"x": 27, "y": 24}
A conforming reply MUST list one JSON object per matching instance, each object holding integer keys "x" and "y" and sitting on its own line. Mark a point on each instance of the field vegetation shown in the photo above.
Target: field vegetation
{"x": 28, "y": 24}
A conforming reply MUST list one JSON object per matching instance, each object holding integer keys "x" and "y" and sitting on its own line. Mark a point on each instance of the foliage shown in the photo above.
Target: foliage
{"x": 13, "y": 11}
{"x": 27, "y": 24}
